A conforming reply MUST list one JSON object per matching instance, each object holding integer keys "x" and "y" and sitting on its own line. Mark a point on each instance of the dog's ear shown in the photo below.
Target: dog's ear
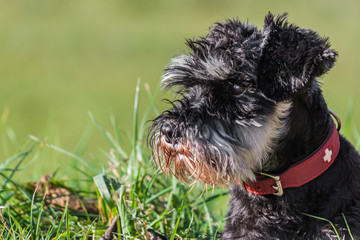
{"x": 291, "y": 58}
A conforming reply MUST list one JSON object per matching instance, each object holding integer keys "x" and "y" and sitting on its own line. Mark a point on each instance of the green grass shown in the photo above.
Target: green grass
{"x": 128, "y": 185}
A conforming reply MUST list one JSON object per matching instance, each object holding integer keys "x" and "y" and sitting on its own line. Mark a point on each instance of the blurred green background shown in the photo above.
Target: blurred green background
{"x": 61, "y": 59}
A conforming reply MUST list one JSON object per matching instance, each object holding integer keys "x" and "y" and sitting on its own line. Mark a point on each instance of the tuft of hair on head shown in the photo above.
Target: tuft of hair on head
{"x": 291, "y": 57}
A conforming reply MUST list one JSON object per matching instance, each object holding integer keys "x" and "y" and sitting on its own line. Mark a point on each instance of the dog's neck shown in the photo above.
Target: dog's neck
{"x": 308, "y": 126}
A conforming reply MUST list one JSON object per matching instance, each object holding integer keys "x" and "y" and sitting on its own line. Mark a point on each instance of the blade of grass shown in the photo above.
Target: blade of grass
{"x": 348, "y": 228}
{"x": 32, "y": 205}
{"x": 157, "y": 195}
{"x": 153, "y": 96}
{"x": 175, "y": 194}
{"x": 136, "y": 111}
{"x": 208, "y": 215}
{"x": 103, "y": 133}
{"x": 85, "y": 237}
{"x": 151, "y": 105}
{"x": 62, "y": 218}
{"x": 87, "y": 164}
{"x": 22, "y": 190}
{"x": 22, "y": 157}
{"x": 100, "y": 182}
{"x": 118, "y": 139}
{"x": 84, "y": 139}
{"x": 324, "y": 219}
{"x": 12, "y": 137}
{"x": 121, "y": 152}
{"x": 40, "y": 213}
{"x": 67, "y": 222}
{"x": 192, "y": 218}
{"x": 357, "y": 138}
{"x": 211, "y": 198}
{"x": 10, "y": 218}
{"x": 75, "y": 236}
{"x": 3, "y": 118}
{"x": 149, "y": 185}
{"x": 121, "y": 205}
{"x": 111, "y": 157}
{"x": 177, "y": 224}
{"x": 53, "y": 218}
{"x": 133, "y": 164}
{"x": 103, "y": 210}
{"x": 82, "y": 172}
{"x": 81, "y": 204}
{"x": 18, "y": 226}
{"x": 114, "y": 124}
{"x": 49, "y": 232}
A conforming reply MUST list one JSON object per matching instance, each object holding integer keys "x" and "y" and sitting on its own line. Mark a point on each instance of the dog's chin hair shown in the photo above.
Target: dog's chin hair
{"x": 218, "y": 161}
{"x": 187, "y": 165}
{"x": 260, "y": 140}
{"x": 244, "y": 155}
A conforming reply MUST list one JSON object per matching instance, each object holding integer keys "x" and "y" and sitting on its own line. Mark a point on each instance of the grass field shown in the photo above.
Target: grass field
{"x": 69, "y": 73}
{"x": 129, "y": 185}
{"x": 82, "y": 204}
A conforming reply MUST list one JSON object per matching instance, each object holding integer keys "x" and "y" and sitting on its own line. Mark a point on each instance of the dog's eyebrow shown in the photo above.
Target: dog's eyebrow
{"x": 188, "y": 70}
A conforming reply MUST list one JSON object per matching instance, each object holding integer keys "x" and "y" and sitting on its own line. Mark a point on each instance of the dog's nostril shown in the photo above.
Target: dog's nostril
{"x": 166, "y": 130}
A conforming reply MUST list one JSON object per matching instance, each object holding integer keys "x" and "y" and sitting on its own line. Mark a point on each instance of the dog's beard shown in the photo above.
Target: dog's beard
{"x": 189, "y": 163}
{"x": 194, "y": 159}
{"x": 216, "y": 157}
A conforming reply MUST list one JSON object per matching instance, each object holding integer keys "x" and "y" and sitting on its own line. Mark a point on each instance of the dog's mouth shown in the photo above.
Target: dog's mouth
{"x": 189, "y": 162}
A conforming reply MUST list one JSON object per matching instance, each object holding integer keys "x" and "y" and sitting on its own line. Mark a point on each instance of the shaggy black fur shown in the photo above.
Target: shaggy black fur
{"x": 231, "y": 84}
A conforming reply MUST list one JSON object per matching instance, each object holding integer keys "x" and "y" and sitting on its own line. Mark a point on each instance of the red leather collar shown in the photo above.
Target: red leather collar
{"x": 299, "y": 173}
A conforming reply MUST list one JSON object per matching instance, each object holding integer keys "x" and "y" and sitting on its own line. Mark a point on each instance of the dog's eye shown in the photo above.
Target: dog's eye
{"x": 237, "y": 89}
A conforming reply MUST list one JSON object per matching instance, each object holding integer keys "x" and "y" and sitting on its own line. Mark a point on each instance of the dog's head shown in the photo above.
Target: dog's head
{"x": 235, "y": 88}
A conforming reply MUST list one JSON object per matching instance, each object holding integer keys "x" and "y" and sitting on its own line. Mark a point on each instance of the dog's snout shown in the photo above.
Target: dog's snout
{"x": 167, "y": 131}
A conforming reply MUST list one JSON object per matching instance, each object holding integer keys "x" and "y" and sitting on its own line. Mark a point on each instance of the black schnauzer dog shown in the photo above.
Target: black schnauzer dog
{"x": 249, "y": 113}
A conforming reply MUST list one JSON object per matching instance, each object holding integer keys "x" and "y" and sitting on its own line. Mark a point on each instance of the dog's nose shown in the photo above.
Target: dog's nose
{"x": 166, "y": 130}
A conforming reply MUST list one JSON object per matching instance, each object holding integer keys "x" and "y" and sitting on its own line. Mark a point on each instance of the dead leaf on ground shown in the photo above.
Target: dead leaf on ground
{"x": 57, "y": 194}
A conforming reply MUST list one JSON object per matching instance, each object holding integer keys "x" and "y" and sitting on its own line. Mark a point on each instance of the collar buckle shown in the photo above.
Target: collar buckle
{"x": 278, "y": 187}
